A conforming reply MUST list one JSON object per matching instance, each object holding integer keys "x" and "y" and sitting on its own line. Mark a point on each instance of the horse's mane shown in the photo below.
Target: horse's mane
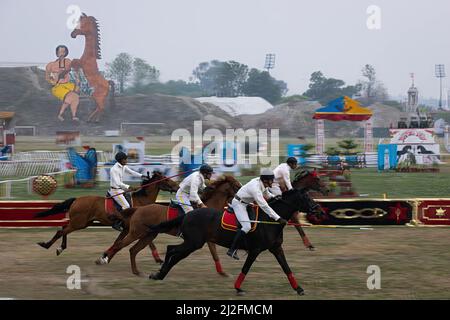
{"x": 211, "y": 189}
{"x": 96, "y": 30}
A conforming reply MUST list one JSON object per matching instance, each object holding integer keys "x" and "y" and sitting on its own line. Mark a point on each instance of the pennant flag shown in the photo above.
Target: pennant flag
{"x": 341, "y": 109}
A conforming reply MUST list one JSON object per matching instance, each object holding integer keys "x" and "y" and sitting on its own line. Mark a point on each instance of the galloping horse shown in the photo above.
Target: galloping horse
{"x": 88, "y": 27}
{"x": 204, "y": 225}
{"x": 218, "y": 194}
{"x": 84, "y": 210}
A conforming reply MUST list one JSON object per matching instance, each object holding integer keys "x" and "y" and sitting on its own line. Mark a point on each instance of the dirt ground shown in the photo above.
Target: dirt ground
{"x": 414, "y": 264}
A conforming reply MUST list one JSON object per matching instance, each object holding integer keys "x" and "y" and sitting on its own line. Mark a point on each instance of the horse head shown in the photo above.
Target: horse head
{"x": 161, "y": 181}
{"x": 225, "y": 185}
{"x": 306, "y": 180}
{"x": 84, "y": 26}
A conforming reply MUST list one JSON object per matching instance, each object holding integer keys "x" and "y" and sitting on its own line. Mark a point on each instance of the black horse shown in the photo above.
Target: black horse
{"x": 204, "y": 225}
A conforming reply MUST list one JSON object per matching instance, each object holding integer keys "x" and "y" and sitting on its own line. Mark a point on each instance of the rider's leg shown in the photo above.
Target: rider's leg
{"x": 120, "y": 199}
{"x": 240, "y": 210}
{"x": 183, "y": 201}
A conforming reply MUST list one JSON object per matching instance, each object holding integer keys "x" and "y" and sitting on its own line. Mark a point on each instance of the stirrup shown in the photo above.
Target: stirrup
{"x": 233, "y": 254}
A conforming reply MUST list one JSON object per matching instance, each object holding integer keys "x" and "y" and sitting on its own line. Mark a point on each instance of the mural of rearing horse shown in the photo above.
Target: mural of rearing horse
{"x": 83, "y": 211}
{"x": 89, "y": 28}
{"x": 216, "y": 196}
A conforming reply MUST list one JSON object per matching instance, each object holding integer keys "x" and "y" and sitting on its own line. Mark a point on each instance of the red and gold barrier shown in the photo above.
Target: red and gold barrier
{"x": 425, "y": 212}
{"x": 433, "y": 211}
{"x": 21, "y": 214}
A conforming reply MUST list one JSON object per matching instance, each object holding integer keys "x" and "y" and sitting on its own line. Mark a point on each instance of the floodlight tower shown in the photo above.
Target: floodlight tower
{"x": 270, "y": 62}
{"x": 440, "y": 73}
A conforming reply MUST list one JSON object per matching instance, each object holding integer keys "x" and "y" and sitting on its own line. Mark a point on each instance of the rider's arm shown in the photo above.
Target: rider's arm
{"x": 132, "y": 172}
{"x": 262, "y": 203}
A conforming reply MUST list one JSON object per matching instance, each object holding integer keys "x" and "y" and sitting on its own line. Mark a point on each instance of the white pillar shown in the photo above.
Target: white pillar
{"x": 368, "y": 136}
{"x": 320, "y": 137}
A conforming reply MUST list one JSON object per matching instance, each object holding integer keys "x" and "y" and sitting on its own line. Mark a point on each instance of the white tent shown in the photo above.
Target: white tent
{"x": 239, "y": 105}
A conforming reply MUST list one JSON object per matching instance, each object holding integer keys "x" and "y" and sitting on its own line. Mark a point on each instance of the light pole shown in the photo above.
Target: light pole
{"x": 270, "y": 62}
{"x": 440, "y": 73}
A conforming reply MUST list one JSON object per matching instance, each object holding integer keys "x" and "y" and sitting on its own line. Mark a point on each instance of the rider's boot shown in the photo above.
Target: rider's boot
{"x": 232, "y": 252}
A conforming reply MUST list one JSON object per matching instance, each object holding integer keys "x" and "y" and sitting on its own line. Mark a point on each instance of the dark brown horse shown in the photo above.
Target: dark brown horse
{"x": 204, "y": 225}
{"x": 83, "y": 211}
{"x": 217, "y": 196}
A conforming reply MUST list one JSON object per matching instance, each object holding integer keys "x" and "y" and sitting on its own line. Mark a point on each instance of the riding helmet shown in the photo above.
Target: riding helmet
{"x": 267, "y": 174}
{"x": 291, "y": 160}
{"x": 121, "y": 156}
{"x": 206, "y": 169}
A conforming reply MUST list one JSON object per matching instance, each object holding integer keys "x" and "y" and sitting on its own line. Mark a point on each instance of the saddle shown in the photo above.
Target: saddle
{"x": 231, "y": 223}
{"x": 111, "y": 205}
{"x": 174, "y": 210}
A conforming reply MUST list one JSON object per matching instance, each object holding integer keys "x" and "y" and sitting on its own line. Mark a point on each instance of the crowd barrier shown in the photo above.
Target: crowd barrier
{"x": 419, "y": 212}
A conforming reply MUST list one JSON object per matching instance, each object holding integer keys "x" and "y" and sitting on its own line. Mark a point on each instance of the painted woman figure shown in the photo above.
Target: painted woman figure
{"x": 57, "y": 74}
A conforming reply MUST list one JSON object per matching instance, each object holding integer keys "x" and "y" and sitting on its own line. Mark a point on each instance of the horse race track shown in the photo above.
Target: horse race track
{"x": 414, "y": 262}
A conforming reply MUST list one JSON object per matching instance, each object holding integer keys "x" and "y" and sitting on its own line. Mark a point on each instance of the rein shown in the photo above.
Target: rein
{"x": 153, "y": 182}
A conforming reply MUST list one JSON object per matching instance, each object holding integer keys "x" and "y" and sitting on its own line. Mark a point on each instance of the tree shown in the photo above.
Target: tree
{"x": 262, "y": 84}
{"x": 324, "y": 89}
{"x": 348, "y": 145}
{"x": 143, "y": 74}
{"x": 120, "y": 69}
{"x": 372, "y": 89}
{"x": 224, "y": 79}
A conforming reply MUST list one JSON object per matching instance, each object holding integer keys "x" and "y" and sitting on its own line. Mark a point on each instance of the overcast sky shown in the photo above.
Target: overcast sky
{"x": 176, "y": 35}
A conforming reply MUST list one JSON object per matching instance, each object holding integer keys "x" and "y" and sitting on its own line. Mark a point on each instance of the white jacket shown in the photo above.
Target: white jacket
{"x": 254, "y": 191}
{"x": 194, "y": 183}
{"x": 116, "y": 176}
{"x": 283, "y": 175}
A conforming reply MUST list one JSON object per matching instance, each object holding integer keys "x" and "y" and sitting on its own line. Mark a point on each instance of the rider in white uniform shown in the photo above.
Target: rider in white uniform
{"x": 117, "y": 187}
{"x": 282, "y": 174}
{"x": 187, "y": 194}
{"x": 253, "y": 191}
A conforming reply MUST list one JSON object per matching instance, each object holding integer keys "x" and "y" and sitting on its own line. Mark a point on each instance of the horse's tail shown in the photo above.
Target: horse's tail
{"x": 167, "y": 225}
{"x": 57, "y": 208}
{"x": 112, "y": 101}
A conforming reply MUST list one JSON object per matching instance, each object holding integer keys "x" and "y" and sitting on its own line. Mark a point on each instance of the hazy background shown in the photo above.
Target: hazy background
{"x": 176, "y": 35}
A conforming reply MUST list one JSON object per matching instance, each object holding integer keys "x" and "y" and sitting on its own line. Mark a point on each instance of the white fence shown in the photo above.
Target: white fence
{"x": 15, "y": 188}
{"x": 25, "y": 168}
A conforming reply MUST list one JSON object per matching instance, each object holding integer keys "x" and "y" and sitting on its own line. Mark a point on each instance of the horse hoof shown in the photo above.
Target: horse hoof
{"x": 300, "y": 291}
{"x": 240, "y": 292}
{"x": 154, "y": 276}
{"x": 159, "y": 261}
{"x": 102, "y": 261}
{"x": 224, "y": 274}
{"x": 311, "y": 248}
{"x": 59, "y": 251}
{"x": 43, "y": 245}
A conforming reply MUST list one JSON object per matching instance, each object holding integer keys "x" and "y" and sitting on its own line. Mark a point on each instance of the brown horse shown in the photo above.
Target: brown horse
{"x": 88, "y": 27}
{"x": 83, "y": 211}
{"x": 217, "y": 196}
